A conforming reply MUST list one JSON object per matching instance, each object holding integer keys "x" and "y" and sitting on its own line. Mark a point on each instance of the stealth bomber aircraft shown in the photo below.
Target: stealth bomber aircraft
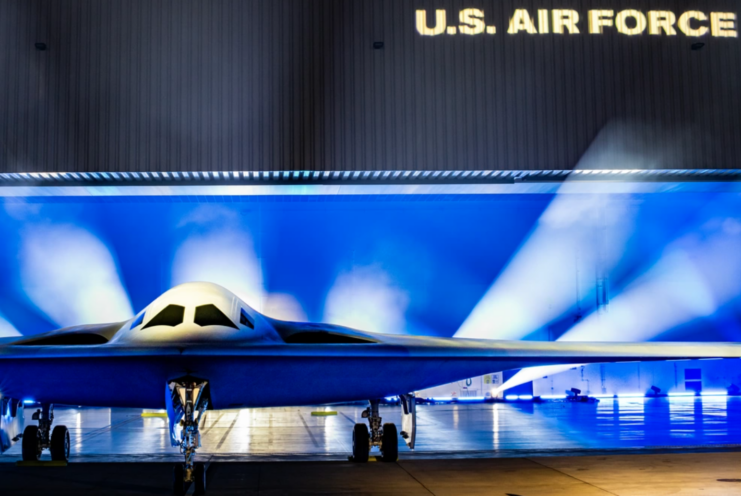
{"x": 199, "y": 347}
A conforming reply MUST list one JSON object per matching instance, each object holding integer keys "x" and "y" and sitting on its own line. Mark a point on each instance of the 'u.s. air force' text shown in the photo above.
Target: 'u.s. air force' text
{"x": 566, "y": 21}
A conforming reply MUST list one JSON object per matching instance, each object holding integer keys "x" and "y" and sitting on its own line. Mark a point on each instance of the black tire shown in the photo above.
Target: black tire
{"x": 179, "y": 487}
{"x": 59, "y": 446}
{"x": 199, "y": 479}
{"x": 360, "y": 443}
{"x": 31, "y": 447}
{"x": 389, "y": 443}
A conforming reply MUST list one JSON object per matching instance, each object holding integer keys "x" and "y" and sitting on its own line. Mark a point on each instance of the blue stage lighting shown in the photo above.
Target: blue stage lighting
{"x": 72, "y": 276}
{"x": 714, "y": 393}
{"x": 541, "y": 281}
{"x": 218, "y": 247}
{"x": 7, "y": 329}
{"x": 366, "y": 297}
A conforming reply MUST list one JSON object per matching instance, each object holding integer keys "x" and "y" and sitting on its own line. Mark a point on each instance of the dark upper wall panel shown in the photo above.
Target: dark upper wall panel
{"x": 166, "y": 85}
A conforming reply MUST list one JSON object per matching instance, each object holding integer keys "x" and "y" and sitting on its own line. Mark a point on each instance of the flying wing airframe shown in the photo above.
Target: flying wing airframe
{"x": 199, "y": 347}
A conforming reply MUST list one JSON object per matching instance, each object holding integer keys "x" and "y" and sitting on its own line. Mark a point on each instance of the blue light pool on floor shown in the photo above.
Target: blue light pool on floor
{"x": 714, "y": 393}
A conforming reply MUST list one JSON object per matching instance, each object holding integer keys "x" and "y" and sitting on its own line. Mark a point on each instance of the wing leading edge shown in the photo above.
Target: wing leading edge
{"x": 260, "y": 375}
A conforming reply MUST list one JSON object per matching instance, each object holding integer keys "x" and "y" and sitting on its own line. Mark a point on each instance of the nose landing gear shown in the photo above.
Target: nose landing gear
{"x": 188, "y": 399}
{"x": 37, "y": 438}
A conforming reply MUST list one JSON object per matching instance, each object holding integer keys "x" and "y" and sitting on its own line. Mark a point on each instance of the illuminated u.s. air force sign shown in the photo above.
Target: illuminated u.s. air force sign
{"x": 566, "y": 21}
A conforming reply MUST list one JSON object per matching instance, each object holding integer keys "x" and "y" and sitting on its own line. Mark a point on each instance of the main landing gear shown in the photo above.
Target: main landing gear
{"x": 37, "y": 438}
{"x": 383, "y": 436}
{"x": 187, "y": 401}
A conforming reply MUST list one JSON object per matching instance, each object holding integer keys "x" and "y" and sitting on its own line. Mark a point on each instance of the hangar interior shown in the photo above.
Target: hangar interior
{"x": 560, "y": 172}
{"x": 642, "y": 265}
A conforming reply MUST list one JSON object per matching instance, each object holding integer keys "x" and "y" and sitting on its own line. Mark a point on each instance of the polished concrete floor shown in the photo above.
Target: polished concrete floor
{"x": 630, "y": 447}
{"x": 444, "y": 431}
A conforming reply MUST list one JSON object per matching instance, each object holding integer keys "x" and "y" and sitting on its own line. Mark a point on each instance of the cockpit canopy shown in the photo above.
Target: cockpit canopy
{"x": 197, "y": 311}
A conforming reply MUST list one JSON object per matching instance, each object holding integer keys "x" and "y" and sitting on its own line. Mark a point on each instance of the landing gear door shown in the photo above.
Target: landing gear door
{"x": 408, "y": 418}
{"x": 11, "y": 422}
{"x": 174, "y": 413}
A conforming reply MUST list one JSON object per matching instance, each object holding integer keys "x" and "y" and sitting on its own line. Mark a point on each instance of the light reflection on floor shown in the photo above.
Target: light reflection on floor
{"x": 514, "y": 428}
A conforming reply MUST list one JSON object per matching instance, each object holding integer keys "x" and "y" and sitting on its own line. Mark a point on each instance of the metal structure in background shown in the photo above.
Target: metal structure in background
{"x": 360, "y": 177}
{"x": 350, "y": 85}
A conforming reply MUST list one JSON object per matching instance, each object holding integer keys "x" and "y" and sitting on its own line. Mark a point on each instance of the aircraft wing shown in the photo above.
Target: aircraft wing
{"x": 261, "y": 375}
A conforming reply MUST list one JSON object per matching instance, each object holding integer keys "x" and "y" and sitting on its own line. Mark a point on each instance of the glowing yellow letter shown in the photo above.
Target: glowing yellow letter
{"x": 622, "y": 26}
{"x": 684, "y": 23}
{"x": 543, "y": 21}
{"x": 565, "y": 18}
{"x": 723, "y": 24}
{"x": 472, "y": 21}
{"x": 598, "y": 19}
{"x": 661, "y": 19}
{"x": 441, "y": 23}
{"x": 521, "y": 22}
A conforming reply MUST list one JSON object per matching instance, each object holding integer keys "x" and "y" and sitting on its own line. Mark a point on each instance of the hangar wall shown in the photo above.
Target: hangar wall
{"x": 686, "y": 376}
{"x": 678, "y": 377}
{"x": 227, "y": 85}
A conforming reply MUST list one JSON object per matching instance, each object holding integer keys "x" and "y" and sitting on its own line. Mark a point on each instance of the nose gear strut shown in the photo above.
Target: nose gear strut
{"x": 187, "y": 400}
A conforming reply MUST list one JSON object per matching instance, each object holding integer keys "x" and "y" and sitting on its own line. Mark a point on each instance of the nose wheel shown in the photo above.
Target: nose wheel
{"x": 383, "y": 436}
{"x": 180, "y": 485}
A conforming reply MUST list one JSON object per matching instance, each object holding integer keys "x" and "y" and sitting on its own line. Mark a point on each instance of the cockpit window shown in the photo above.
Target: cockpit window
{"x": 171, "y": 315}
{"x": 245, "y": 319}
{"x": 138, "y": 321}
{"x": 208, "y": 315}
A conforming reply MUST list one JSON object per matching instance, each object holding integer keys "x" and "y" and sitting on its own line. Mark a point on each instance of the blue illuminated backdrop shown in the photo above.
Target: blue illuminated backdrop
{"x": 521, "y": 266}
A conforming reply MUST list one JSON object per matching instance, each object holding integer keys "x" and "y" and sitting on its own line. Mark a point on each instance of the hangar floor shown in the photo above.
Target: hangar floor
{"x": 681, "y": 446}
{"x": 443, "y": 430}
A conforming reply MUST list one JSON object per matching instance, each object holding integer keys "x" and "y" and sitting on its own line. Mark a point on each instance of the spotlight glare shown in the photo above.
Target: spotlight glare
{"x": 71, "y": 276}
{"x": 366, "y": 297}
{"x": 218, "y": 250}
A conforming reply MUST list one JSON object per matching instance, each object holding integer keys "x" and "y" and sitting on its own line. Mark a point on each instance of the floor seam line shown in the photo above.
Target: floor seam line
{"x": 213, "y": 425}
{"x": 352, "y": 421}
{"x": 415, "y": 479}
{"x": 102, "y": 430}
{"x": 572, "y": 477}
{"x": 228, "y": 431}
{"x": 306, "y": 426}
